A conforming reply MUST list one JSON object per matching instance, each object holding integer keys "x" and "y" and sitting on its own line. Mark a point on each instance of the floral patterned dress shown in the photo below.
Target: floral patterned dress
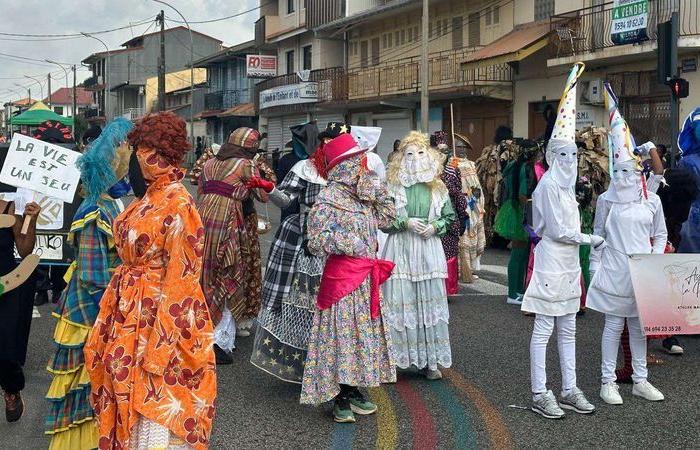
{"x": 150, "y": 354}
{"x": 347, "y": 346}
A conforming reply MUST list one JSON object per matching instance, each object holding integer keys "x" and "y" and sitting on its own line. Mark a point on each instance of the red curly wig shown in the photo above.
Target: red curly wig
{"x": 164, "y": 132}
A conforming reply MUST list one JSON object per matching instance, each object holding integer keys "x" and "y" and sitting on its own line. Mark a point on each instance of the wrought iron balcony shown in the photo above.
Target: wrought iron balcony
{"x": 402, "y": 76}
{"x": 588, "y": 30}
{"x": 226, "y": 99}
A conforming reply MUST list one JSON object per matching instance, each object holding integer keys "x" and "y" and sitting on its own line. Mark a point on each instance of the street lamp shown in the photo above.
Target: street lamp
{"x": 41, "y": 88}
{"x": 108, "y": 93}
{"x": 191, "y": 66}
{"x": 29, "y": 93}
{"x": 61, "y": 66}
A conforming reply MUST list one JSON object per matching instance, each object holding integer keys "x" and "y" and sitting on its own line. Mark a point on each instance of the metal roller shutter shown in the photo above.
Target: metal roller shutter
{"x": 274, "y": 134}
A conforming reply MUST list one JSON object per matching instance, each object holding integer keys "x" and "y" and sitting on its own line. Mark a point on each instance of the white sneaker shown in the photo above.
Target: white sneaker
{"x": 610, "y": 393}
{"x": 242, "y": 333}
{"x": 515, "y": 301}
{"x": 647, "y": 391}
{"x": 546, "y": 405}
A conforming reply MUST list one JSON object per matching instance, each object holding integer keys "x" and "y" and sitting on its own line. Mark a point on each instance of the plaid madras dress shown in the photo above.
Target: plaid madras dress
{"x": 289, "y": 293}
{"x": 70, "y": 416}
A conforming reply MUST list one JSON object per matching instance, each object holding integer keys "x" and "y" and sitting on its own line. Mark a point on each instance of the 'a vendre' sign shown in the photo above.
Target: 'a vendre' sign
{"x": 289, "y": 95}
{"x": 629, "y": 21}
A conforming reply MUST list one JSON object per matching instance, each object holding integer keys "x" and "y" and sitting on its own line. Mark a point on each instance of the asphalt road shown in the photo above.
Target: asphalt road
{"x": 470, "y": 408}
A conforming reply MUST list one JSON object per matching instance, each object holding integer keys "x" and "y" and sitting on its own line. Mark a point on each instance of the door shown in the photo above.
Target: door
{"x": 364, "y": 57}
{"x": 457, "y": 33}
{"x": 474, "y": 30}
{"x": 375, "y": 51}
{"x": 392, "y": 129}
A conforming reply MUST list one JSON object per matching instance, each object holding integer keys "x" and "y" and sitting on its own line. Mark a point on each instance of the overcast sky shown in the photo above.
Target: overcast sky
{"x": 74, "y": 16}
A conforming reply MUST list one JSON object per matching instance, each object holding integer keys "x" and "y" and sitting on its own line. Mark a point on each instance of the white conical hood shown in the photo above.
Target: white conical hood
{"x": 561, "y": 148}
{"x": 626, "y": 183}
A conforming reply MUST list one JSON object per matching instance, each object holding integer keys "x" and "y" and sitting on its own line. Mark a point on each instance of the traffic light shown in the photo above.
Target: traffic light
{"x": 679, "y": 87}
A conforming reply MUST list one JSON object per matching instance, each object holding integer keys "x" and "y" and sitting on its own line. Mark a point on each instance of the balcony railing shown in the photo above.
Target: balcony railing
{"x": 403, "y": 76}
{"x": 132, "y": 113}
{"x": 226, "y": 99}
{"x": 588, "y": 29}
{"x": 93, "y": 83}
{"x": 332, "y": 85}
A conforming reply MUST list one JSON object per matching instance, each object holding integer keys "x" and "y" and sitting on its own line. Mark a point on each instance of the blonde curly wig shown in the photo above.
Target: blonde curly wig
{"x": 417, "y": 139}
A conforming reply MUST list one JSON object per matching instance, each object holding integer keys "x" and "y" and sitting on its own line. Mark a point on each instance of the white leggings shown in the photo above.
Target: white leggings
{"x": 611, "y": 342}
{"x": 566, "y": 342}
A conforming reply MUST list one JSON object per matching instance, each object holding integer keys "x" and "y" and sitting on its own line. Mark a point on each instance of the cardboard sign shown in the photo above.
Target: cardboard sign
{"x": 667, "y": 289}
{"x": 49, "y": 247}
{"x": 46, "y": 168}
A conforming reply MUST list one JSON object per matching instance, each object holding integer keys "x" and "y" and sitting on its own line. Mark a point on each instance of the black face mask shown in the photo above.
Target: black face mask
{"x": 138, "y": 183}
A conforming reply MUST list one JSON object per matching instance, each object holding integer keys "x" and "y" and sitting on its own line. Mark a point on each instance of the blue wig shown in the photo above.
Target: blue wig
{"x": 95, "y": 165}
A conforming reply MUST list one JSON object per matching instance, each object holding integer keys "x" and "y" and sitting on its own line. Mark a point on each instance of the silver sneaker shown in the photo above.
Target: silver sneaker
{"x": 576, "y": 401}
{"x": 432, "y": 374}
{"x": 546, "y": 405}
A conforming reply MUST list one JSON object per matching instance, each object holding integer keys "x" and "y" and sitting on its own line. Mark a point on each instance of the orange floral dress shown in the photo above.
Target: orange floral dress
{"x": 150, "y": 353}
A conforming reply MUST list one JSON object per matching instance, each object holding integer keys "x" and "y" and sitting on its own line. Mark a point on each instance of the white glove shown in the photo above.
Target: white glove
{"x": 596, "y": 241}
{"x": 415, "y": 225}
{"x": 428, "y": 231}
{"x": 645, "y": 148}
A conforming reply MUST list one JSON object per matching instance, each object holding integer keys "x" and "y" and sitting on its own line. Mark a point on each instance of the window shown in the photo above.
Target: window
{"x": 445, "y": 25}
{"x": 375, "y": 51}
{"x": 544, "y": 9}
{"x": 391, "y": 40}
{"x": 397, "y": 35}
{"x": 487, "y": 15}
{"x": 58, "y": 110}
{"x": 410, "y": 35}
{"x": 385, "y": 41}
{"x": 290, "y": 61}
{"x": 403, "y": 37}
{"x": 474, "y": 30}
{"x": 364, "y": 54}
{"x": 290, "y": 6}
{"x": 430, "y": 29}
{"x": 416, "y": 34}
{"x": 496, "y": 14}
{"x": 307, "y": 58}
{"x": 457, "y": 32}
{"x": 438, "y": 28}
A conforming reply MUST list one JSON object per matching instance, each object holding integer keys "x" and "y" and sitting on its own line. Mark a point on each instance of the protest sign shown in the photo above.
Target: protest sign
{"x": 49, "y": 247}
{"x": 40, "y": 166}
{"x": 667, "y": 289}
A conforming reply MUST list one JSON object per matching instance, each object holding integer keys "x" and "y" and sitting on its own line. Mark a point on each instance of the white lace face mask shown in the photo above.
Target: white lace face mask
{"x": 417, "y": 166}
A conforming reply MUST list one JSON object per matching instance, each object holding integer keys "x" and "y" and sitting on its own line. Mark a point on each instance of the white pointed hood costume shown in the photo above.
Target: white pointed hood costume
{"x": 628, "y": 216}
{"x": 555, "y": 288}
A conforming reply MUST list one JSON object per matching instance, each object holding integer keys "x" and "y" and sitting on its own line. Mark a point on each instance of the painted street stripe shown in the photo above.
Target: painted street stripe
{"x": 343, "y": 436}
{"x": 498, "y": 432}
{"x": 423, "y": 428}
{"x": 464, "y": 435}
{"x": 387, "y": 425}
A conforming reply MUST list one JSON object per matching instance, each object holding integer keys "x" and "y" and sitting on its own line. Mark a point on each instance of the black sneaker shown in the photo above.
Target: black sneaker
{"x": 672, "y": 346}
{"x": 41, "y": 298}
{"x": 14, "y": 407}
{"x": 223, "y": 358}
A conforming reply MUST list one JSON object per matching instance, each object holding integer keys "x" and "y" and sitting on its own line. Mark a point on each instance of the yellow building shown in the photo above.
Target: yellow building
{"x": 174, "y": 81}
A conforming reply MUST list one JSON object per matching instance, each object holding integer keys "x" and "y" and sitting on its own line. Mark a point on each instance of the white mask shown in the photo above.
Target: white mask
{"x": 417, "y": 166}
{"x": 625, "y": 183}
{"x": 562, "y": 157}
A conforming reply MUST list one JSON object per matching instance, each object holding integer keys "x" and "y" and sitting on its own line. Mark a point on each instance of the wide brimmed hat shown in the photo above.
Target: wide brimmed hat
{"x": 340, "y": 149}
{"x": 334, "y": 129}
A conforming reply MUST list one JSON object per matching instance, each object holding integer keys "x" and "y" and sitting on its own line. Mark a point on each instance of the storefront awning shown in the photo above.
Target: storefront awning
{"x": 242, "y": 110}
{"x": 517, "y": 45}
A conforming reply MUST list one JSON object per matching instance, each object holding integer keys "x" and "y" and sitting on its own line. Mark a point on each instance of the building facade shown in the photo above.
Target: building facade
{"x": 228, "y": 103}
{"x": 61, "y": 101}
{"x": 121, "y": 74}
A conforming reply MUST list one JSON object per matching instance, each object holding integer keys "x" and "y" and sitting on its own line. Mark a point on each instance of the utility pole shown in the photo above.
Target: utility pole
{"x": 75, "y": 100}
{"x": 48, "y": 80}
{"x": 161, "y": 63}
{"x": 424, "y": 79}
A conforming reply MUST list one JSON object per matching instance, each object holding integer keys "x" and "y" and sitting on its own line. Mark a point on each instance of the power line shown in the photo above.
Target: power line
{"x": 140, "y": 22}
{"x": 224, "y": 18}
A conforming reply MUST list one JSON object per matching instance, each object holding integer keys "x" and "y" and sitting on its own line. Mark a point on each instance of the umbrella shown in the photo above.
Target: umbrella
{"x": 38, "y": 114}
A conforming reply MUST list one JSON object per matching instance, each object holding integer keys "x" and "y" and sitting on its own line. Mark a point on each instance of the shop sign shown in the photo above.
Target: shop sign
{"x": 629, "y": 21}
{"x": 289, "y": 95}
{"x": 261, "y": 66}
